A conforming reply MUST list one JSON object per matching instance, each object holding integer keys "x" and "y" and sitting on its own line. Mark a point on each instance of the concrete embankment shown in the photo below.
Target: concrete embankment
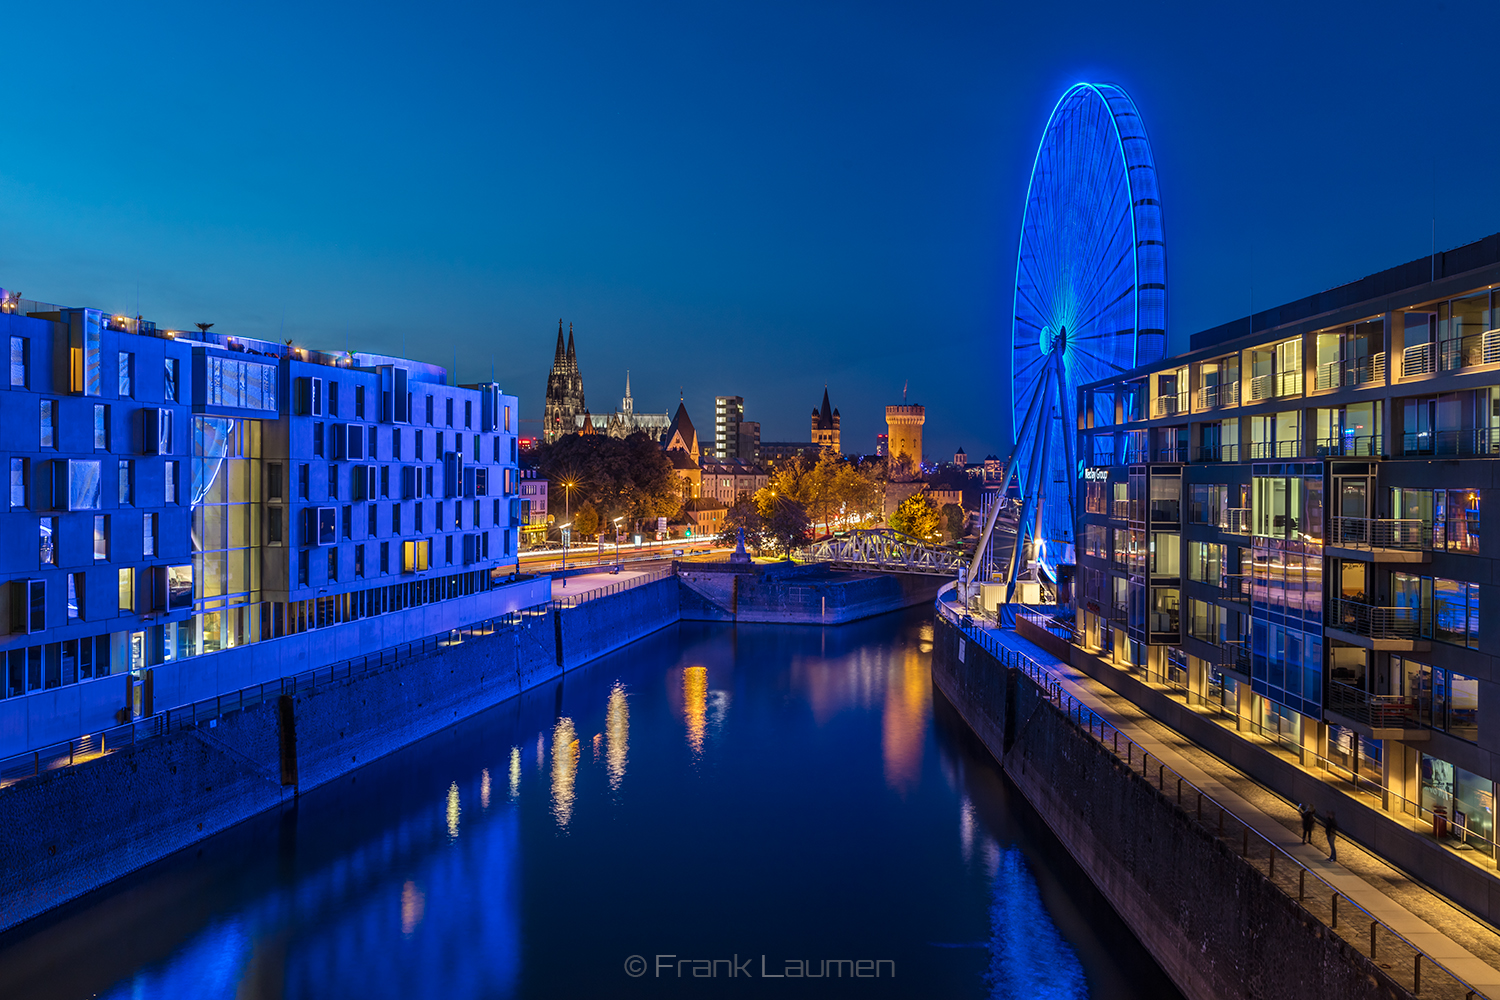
{"x": 1213, "y": 922}
{"x": 793, "y": 594}
{"x": 77, "y": 828}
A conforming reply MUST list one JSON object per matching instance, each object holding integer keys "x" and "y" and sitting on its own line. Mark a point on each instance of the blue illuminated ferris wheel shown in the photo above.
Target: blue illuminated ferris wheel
{"x": 1091, "y": 299}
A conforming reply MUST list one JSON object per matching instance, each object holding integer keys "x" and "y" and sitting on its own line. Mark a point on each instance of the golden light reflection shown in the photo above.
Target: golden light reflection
{"x": 598, "y": 746}
{"x": 453, "y": 810}
{"x": 695, "y": 704}
{"x": 413, "y": 905}
{"x": 908, "y": 701}
{"x": 515, "y": 772}
{"x": 565, "y": 752}
{"x": 484, "y": 789}
{"x": 617, "y": 732}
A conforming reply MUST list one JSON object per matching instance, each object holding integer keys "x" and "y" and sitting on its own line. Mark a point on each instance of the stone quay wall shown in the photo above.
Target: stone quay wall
{"x": 1214, "y": 923}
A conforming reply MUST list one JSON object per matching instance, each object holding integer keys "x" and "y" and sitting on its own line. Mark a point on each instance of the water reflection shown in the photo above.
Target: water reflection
{"x": 695, "y": 704}
{"x": 484, "y": 789}
{"x": 617, "y": 733}
{"x": 515, "y": 772}
{"x": 908, "y": 701}
{"x": 452, "y": 811}
{"x": 1028, "y": 958}
{"x": 413, "y": 904}
{"x": 565, "y": 753}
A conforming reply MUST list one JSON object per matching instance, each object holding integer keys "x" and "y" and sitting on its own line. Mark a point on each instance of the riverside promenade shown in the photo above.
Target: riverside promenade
{"x": 1444, "y": 932}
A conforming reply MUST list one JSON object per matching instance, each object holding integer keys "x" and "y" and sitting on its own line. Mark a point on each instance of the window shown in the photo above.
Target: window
{"x": 333, "y": 398}
{"x": 127, "y": 483}
{"x": 333, "y": 482}
{"x": 148, "y": 535}
{"x": 429, "y": 417}
{"x": 359, "y": 401}
{"x": 302, "y": 567}
{"x": 420, "y": 438}
{"x": 101, "y": 537}
{"x": 20, "y": 478}
{"x": 275, "y": 530}
{"x": 395, "y": 519}
{"x": 420, "y": 510}
{"x": 333, "y": 563}
{"x": 385, "y": 557}
{"x": 20, "y": 362}
{"x": 247, "y": 385}
{"x": 47, "y": 536}
{"x": 469, "y": 415}
{"x": 127, "y": 375}
{"x": 101, "y": 427}
{"x": 317, "y": 439}
{"x": 348, "y": 521}
{"x": 1206, "y": 563}
{"x": 448, "y": 549}
{"x": 49, "y": 423}
{"x": 273, "y": 481}
{"x": 395, "y": 444}
{"x": 385, "y": 480}
{"x": 449, "y": 414}
{"x": 75, "y": 595}
{"x": 169, "y": 481}
{"x": 127, "y": 589}
{"x": 359, "y": 560}
{"x": 374, "y": 511}
{"x": 507, "y": 420}
{"x": 169, "y": 381}
{"x": 303, "y": 482}
{"x": 495, "y": 450}
{"x": 1438, "y": 698}
{"x": 415, "y": 554}
{"x": 84, "y": 487}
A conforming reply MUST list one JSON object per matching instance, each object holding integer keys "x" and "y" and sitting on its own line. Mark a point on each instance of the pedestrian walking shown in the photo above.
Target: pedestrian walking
{"x": 1307, "y": 822}
{"x": 1331, "y": 824}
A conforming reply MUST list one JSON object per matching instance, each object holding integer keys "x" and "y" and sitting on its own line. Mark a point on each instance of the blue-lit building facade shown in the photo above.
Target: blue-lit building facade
{"x": 190, "y": 514}
{"x": 1282, "y": 528}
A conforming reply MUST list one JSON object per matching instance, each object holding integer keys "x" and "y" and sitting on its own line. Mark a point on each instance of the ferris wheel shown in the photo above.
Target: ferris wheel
{"x": 1090, "y": 301}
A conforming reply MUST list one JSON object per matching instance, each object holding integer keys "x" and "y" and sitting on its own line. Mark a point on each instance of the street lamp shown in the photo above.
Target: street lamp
{"x": 568, "y": 498}
{"x": 563, "y": 530}
{"x": 617, "y": 541}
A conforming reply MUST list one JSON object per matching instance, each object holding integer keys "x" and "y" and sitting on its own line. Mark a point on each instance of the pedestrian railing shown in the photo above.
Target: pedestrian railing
{"x": 574, "y": 600}
{"x": 33, "y": 763}
{"x": 1398, "y": 958}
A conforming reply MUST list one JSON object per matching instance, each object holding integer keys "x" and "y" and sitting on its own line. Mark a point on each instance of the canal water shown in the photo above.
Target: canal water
{"x": 753, "y": 811}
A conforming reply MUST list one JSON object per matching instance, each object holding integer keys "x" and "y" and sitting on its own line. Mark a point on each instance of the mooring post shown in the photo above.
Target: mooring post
{"x": 1301, "y": 884}
{"x": 1335, "y": 924}
{"x": 1416, "y": 975}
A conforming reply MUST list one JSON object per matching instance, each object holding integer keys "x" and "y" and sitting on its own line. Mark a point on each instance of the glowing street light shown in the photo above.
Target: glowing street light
{"x": 563, "y": 529}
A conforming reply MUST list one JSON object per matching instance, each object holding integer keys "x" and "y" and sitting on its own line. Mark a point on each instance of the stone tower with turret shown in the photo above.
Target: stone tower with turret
{"x": 825, "y": 426}
{"x": 564, "y": 391}
{"x": 903, "y": 423}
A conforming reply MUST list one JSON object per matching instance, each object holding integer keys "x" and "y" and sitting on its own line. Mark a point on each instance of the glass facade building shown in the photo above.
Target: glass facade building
{"x": 1282, "y": 527}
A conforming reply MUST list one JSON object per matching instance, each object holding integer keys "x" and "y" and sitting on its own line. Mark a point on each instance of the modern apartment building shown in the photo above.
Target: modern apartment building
{"x": 193, "y": 513}
{"x": 729, "y": 411}
{"x": 1283, "y": 526}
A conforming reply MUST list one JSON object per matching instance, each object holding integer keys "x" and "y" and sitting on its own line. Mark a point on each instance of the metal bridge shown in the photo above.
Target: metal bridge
{"x": 883, "y": 549}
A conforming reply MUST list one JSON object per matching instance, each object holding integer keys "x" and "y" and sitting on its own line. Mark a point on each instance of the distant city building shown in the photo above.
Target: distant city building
{"x": 624, "y": 421}
{"x": 680, "y": 442}
{"x": 705, "y": 515}
{"x": 882, "y": 445}
{"x": 728, "y": 481}
{"x": 729, "y": 411}
{"x": 564, "y": 404}
{"x": 750, "y": 441}
{"x": 825, "y": 426}
{"x": 960, "y": 459}
{"x": 775, "y": 453}
{"x": 993, "y": 467}
{"x": 533, "y": 506}
{"x": 904, "y": 424}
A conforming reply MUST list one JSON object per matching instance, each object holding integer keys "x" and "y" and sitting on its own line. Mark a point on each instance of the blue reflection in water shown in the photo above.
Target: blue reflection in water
{"x": 210, "y": 966}
{"x": 1028, "y": 958}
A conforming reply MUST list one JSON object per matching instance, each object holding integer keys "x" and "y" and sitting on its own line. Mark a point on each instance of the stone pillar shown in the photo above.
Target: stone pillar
{"x": 1243, "y": 706}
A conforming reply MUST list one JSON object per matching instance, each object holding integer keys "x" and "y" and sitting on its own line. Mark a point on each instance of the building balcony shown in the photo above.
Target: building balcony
{"x": 1377, "y": 716}
{"x": 1472, "y": 443}
{"x": 1216, "y": 397}
{"x": 1383, "y": 539}
{"x": 1276, "y": 385}
{"x": 1350, "y": 373}
{"x": 1262, "y": 450}
{"x": 1236, "y": 586}
{"x": 1239, "y": 521}
{"x": 1170, "y": 405}
{"x": 1351, "y": 446}
{"x": 1219, "y": 453}
{"x": 1374, "y": 627}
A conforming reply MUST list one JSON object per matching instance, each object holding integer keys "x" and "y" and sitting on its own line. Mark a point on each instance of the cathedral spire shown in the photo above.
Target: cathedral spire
{"x": 572, "y": 358}
{"x": 559, "y": 356}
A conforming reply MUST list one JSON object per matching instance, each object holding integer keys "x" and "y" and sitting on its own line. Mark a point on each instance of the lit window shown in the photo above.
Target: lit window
{"x": 127, "y": 589}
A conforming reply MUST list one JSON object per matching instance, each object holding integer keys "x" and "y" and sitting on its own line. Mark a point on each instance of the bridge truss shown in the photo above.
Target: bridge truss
{"x": 883, "y": 549}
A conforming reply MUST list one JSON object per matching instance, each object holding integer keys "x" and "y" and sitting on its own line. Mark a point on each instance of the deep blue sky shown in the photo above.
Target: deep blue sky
{"x": 746, "y": 198}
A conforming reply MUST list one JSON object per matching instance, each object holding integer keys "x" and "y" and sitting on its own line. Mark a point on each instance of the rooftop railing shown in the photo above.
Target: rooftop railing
{"x": 1408, "y": 534}
{"x": 1398, "y": 958}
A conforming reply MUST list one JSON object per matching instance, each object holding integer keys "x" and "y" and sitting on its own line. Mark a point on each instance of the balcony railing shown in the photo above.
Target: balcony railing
{"x": 1170, "y": 405}
{"x": 1174, "y": 453}
{"x": 1275, "y": 449}
{"x": 1375, "y": 622}
{"x": 1235, "y": 655}
{"x": 1472, "y": 442}
{"x": 1239, "y": 521}
{"x": 1236, "y": 586}
{"x": 1378, "y": 711}
{"x": 1119, "y": 510}
{"x": 1362, "y": 445}
{"x": 1263, "y": 387}
{"x": 1350, "y": 372}
{"x": 1408, "y": 534}
{"x": 1418, "y": 359}
{"x": 1219, "y": 453}
{"x": 1213, "y": 397}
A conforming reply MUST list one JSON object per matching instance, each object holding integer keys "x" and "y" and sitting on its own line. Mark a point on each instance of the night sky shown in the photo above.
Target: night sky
{"x": 731, "y": 198}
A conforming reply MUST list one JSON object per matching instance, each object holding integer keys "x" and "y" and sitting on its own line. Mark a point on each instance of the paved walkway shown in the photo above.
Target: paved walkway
{"x": 1466, "y": 945}
{"x": 586, "y": 582}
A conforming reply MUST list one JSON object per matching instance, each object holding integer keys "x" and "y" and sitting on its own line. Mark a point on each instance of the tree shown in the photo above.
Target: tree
{"x": 917, "y": 516}
{"x": 744, "y": 513}
{"x": 626, "y": 477}
{"x": 786, "y": 523}
{"x": 902, "y": 469}
{"x": 954, "y": 520}
{"x": 586, "y": 521}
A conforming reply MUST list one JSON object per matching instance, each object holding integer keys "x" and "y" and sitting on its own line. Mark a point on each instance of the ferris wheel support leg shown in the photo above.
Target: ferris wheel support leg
{"x": 1069, "y": 434}
{"x": 1041, "y": 445}
{"x": 1007, "y": 470}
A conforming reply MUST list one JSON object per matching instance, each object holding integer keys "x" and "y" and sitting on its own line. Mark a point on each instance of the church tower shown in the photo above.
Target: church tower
{"x": 564, "y": 391}
{"x": 825, "y": 426}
